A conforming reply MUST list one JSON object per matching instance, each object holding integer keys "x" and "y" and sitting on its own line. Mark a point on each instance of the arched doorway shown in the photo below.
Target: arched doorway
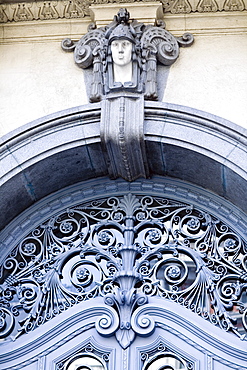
{"x": 128, "y": 278}
{"x": 107, "y": 274}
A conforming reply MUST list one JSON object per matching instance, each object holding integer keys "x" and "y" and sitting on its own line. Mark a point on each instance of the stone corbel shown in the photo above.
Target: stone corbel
{"x": 122, "y": 136}
{"x": 102, "y": 15}
{"x": 124, "y": 55}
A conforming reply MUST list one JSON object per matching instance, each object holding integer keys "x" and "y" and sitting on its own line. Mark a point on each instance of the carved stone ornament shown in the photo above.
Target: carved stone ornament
{"x": 126, "y": 251}
{"x": 70, "y": 9}
{"x": 124, "y": 56}
{"x": 149, "y": 45}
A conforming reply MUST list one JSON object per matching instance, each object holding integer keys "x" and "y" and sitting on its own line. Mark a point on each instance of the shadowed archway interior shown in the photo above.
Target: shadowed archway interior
{"x": 96, "y": 269}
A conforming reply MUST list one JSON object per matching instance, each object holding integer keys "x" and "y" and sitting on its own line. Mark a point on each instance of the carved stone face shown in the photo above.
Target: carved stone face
{"x": 121, "y": 52}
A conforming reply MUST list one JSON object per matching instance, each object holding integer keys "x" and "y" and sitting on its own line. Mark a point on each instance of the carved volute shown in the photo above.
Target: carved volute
{"x": 149, "y": 45}
{"x": 124, "y": 55}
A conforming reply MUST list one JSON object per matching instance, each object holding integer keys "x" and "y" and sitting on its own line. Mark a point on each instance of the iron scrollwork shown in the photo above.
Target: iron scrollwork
{"x": 126, "y": 250}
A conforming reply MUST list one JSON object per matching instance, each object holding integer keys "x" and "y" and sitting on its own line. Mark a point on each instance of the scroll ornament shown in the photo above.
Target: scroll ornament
{"x": 126, "y": 251}
{"x": 150, "y": 45}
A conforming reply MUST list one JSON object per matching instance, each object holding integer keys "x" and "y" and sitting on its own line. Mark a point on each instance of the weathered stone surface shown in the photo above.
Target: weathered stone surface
{"x": 77, "y": 154}
{"x": 124, "y": 55}
{"x": 122, "y": 135}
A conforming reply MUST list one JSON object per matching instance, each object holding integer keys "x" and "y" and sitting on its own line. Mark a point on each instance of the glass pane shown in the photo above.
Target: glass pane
{"x": 166, "y": 363}
{"x": 85, "y": 363}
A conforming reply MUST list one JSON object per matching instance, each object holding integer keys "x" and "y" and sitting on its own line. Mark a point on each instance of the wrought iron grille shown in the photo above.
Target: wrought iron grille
{"x": 125, "y": 250}
{"x": 162, "y": 357}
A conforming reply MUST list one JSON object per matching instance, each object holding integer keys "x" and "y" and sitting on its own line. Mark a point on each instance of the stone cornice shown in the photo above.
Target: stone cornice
{"x": 71, "y": 9}
{"x": 55, "y": 30}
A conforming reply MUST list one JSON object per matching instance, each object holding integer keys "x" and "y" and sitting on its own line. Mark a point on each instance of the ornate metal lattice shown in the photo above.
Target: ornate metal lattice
{"x": 90, "y": 355}
{"x": 125, "y": 250}
{"x": 161, "y": 357}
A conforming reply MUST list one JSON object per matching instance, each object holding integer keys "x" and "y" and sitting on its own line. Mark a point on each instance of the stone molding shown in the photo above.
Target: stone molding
{"x": 72, "y": 9}
{"x": 209, "y": 356}
{"x": 48, "y": 339}
{"x": 93, "y": 189}
{"x": 55, "y": 30}
{"x": 180, "y": 142}
{"x": 168, "y": 316}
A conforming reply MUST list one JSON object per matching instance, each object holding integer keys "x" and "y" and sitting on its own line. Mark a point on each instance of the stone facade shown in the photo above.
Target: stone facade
{"x": 123, "y": 220}
{"x": 37, "y": 74}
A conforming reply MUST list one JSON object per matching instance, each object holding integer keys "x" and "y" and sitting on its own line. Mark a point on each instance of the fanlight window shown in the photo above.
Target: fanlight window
{"x": 155, "y": 246}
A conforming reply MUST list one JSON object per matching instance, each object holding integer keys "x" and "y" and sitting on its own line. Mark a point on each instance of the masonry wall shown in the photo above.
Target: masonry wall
{"x": 38, "y": 77}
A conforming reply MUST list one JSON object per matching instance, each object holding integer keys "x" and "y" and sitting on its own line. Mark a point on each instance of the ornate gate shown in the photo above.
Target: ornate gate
{"x": 140, "y": 276}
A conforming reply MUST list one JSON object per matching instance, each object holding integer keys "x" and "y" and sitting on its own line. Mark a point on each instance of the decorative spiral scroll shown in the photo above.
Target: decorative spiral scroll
{"x": 66, "y": 226}
{"x": 230, "y": 288}
{"x": 68, "y": 45}
{"x": 6, "y": 322}
{"x": 107, "y": 324}
{"x": 154, "y": 237}
{"x": 167, "y": 52}
{"x": 11, "y": 265}
{"x": 166, "y": 44}
{"x": 125, "y": 250}
{"x": 30, "y": 247}
{"x": 141, "y": 323}
{"x": 83, "y": 55}
{"x": 29, "y": 293}
{"x": 81, "y": 274}
{"x": 229, "y": 244}
{"x": 105, "y": 238}
{"x": 86, "y": 47}
{"x": 190, "y": 224}
{"x": 175, "y": 272}
{"x": 186, "y": 40}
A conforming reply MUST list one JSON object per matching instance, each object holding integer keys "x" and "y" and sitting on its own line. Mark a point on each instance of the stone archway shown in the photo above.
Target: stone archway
{"x": 58, "y": 162}
{"x": 65, "y": 148}
{"x": 68, "y": 299}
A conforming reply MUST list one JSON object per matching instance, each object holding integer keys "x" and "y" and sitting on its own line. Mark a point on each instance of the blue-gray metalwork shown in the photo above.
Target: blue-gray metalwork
{"x": 126, "y": 249}
{"x": 104, "y": 272}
